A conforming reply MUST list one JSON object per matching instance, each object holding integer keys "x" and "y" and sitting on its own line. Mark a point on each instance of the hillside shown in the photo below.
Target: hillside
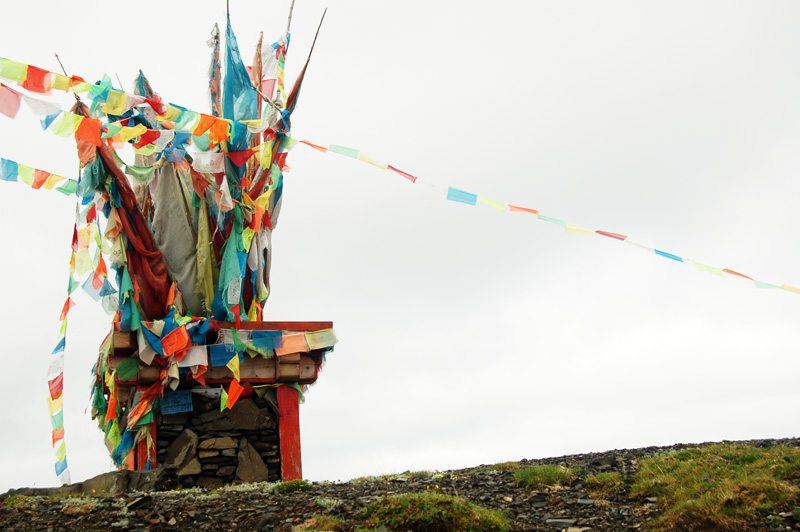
{"x": 729, "y": 485}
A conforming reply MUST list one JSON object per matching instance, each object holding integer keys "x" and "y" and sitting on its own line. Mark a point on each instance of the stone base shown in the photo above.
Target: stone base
{"x": 209, "y": 448}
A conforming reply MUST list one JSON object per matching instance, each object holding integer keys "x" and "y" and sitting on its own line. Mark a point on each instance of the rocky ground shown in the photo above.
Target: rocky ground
{"x": 246, "y": 507}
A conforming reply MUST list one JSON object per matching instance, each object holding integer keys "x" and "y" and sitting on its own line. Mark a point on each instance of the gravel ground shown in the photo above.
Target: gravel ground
{"x": 258, "y": 507}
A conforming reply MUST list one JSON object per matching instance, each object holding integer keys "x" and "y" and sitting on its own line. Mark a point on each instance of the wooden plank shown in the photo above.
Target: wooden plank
{"x": 296, "y": 326}
{"x": 308, "y": 371}
{"x": 125, "y": 342}
{"x": 289, "y": 430}
{"x": 287, "y": 372}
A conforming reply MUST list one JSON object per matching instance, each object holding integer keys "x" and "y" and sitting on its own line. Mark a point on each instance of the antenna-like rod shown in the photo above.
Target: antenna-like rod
{"x": 289, "y": 22}
{"x": 64, "y": 70}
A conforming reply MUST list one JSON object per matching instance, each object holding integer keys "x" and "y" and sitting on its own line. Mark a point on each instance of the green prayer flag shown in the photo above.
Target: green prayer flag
{"x": 128, "y": 369}
{"x": 223, "y": 400}
{"x": 69, "y": 187}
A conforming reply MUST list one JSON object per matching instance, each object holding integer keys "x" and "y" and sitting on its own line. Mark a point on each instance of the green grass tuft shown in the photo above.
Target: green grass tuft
{"x": 292, "y": 486}
{"x": 546, "y": 476}
{"x": 432, "y": 512}
{"x": 720, "y": 487}
{"x": 604, "y": 484}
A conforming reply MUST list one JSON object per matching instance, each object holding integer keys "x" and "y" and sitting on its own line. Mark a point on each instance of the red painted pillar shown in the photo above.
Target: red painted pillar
{"x": 289, "y": 427}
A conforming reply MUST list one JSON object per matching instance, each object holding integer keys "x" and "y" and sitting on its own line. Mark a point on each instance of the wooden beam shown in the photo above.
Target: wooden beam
{"x": 289, "y": 429}
{"x": 297, "y": 326}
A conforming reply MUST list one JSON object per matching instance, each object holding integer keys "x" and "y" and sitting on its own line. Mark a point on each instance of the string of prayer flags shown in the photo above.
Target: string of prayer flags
{"x": 35, "y": 178}
{"x": 461, "y": 196}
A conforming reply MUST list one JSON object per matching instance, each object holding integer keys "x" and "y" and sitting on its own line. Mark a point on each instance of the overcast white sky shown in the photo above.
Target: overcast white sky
{"x": 467, "y": 336}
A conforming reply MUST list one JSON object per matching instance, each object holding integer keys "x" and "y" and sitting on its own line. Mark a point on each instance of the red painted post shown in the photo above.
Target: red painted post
{"x": 289, "y": 427}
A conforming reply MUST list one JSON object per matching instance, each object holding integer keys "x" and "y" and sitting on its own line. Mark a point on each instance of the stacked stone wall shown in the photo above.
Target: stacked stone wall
{"x": 209, "y": 447}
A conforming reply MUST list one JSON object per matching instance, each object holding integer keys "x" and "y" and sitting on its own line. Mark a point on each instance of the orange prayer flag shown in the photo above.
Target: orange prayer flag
{"x": 111, "y": 410}
{"x": 89, "y": 130}
{"x": 514, "y": 208}
{"x": 205, "y": 123}
{"x": 58, "y": 435}
{"x": 234, "y": 392}
{"x": 38, "y": 80}
{"x": 323, "y": 149}
{"x": 736, "y": 273}
{"x": 175, "y": 341}
{"x": 219, "y": 131}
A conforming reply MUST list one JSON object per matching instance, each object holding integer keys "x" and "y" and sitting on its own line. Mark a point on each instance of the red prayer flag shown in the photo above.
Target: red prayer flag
{"x": 90, "y": 130}
{"x": 146, "y": 138}
{"x": 156, "y": 105}
{"x": 612, "y": 235}
{"x": 404, "y": 174}
{"x": 56, "y": 386}
{"x": 9, "y": 101}
{"x": 38, "y": 80}
{"x": 68, "y": 304}
{"x": 91, "y": 214}
{"x": 240, "y": 157}
{"x": 39, "y": 178}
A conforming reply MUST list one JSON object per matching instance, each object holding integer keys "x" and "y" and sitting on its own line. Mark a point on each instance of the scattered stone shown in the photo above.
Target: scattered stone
{"x": 145, "y": 501}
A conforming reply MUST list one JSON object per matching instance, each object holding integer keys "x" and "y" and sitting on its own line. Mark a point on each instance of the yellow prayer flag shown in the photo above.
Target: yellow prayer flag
{"x": 263, "y": 200}
{"x": 252, "y": 314}
{"x": 265, "y": 153}
{"x": 25, "y": 174}
{"x": 115, "y": 103}
{"x": 66, "y": 124}
{"x": 578, "y": 230}
{"x": 129, "y": 133}
{"x": 491, "y": 203}
{"x": 53, "y": 180}
{"x": 171, "y": 114}
{"x": 55, "y": 404}
{"x": 233, "y": 365}
{"x": 791, "y": 289}
{"x": 247, "y": 238}
{"x": 149, "y": 149}
{"x": 709, "y": 269}
{"x": 81, "y": 87}
{"x": 60, "y": 81}
{"x": 61, "y": 452}
{"x": 12, "y": 70}
{"x": 83, "y": 262}
{"x": 63, "y": 330}
{"x": 365, "y": 159}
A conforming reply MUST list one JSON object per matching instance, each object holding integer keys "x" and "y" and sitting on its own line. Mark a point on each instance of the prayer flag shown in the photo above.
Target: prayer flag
{"x": 365, "y": 159}
{"x": 9, "y": 101}
{"x": 492, "y": 203}
{"x": 349, "y": 152}
{"x": 38, "y": 80}
{"x": 668, "y": 255}
{"x": 408, "y": 176}
{"x": 12, "y": 70}
{"x": 514, "y": 208}
{"x": 454, "y": 194}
